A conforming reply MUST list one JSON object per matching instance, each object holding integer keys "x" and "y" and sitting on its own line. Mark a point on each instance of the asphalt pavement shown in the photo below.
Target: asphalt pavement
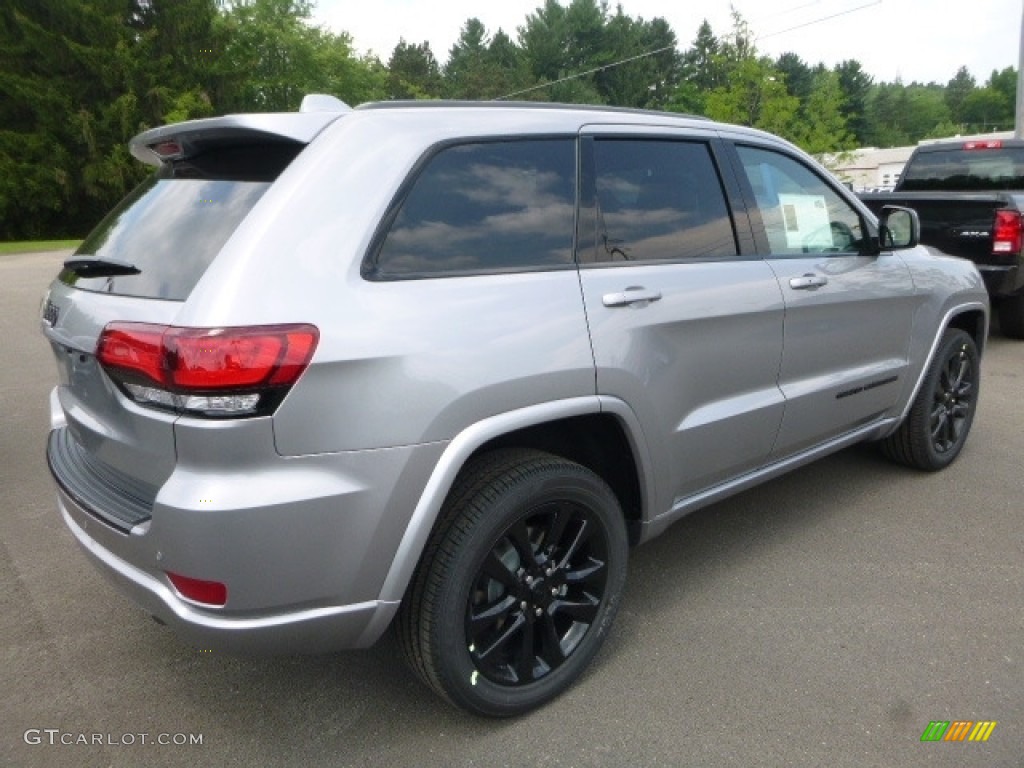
{"x": 823, "y": 619}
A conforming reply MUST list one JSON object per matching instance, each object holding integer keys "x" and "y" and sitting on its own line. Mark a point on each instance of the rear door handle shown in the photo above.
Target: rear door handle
{"x": 808, "y": 282}
{"x": 634, "y": 296}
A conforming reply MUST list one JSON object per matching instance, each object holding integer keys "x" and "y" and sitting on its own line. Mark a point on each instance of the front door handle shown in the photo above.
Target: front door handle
{"x": 634, "y": 296}
{"x": 808, "y": 282}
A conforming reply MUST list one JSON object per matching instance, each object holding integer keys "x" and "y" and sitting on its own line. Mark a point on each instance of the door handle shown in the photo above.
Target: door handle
{"x": 634, "y": 296}
{"x": 808, "y": 282}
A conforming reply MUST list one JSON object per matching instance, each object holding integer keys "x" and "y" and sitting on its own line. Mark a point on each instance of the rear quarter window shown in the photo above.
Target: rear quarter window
{"x": 483, "y": 207}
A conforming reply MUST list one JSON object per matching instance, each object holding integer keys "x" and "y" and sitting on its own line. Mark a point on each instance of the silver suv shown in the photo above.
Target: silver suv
{"x": 437, "y": 366}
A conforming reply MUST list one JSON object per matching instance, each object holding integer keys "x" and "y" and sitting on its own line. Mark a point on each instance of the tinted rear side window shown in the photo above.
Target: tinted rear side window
{"x": 484, "y": 207}
{"x": 174, "y": 223}
{"x": 659, "y": 200}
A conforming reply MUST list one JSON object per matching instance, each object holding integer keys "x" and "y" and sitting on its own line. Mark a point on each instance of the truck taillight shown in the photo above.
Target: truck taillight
{"x": 219, "y": 372}
{"x": 1007, "y": 233}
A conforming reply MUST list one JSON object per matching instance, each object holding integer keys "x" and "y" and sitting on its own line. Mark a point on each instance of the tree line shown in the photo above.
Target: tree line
{"x": 79, "y": 78}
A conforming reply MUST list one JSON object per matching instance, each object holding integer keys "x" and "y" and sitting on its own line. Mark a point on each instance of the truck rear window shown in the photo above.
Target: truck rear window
{"x": 965, "y": 169}
{"x": 171, "y": 226}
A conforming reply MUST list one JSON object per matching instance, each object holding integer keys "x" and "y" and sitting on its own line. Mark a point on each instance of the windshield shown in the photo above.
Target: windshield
{"x": 966, "y": 169}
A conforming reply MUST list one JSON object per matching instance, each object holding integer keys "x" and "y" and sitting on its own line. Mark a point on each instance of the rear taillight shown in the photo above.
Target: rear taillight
{"x": 207, "y": 371}
{"x": 1007, "y": 233}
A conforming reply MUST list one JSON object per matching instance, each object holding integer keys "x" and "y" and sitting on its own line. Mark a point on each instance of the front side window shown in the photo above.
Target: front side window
{"x": 800, "y": 212}
{"x": 485, "y": 207}
{"x": 659, "y": 200}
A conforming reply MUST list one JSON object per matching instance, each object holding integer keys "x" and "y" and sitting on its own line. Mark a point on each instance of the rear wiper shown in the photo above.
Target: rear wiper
{"x": 86, "y": 266}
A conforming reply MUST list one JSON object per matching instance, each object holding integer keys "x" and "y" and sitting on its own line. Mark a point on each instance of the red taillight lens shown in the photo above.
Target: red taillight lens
{"x": 198, "y": 590}
{"x": 238, "y": 358}
{"x": 133, "y": 347}
{"x": 213, "y": 371}
{"x": 1007, "y": 233}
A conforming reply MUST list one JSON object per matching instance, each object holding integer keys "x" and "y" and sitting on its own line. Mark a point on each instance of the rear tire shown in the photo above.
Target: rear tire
{"x": 519, "y": 584}
{"x": 1011, "y": 315}
{"x": 936, "y": 428}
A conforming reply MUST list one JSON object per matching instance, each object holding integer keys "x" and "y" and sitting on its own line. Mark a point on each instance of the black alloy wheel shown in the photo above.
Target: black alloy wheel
{"x": 518, "y": 585}
{"x": 953, "y": 400}
{"x": 936, "y": 427}
{"x": 537, "y": 593}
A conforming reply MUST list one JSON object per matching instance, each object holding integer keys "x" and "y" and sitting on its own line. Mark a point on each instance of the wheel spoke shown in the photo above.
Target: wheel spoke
{"x": 494, "y": 568}
{"x": 559, "y": 520}
{"x": 527, "y": 656}
{"x": 480, "y": 621}
{"x": 951, "y": 431}
{"x": 581, "y": 536}
{"x": 519, "y": 535}
{"x": 504, "y": 639}
{"x": 551, "y": 643}
{"x": 583, "y": 611}
{"x": 939, "y": 420}
{"x": 585, "y": 573}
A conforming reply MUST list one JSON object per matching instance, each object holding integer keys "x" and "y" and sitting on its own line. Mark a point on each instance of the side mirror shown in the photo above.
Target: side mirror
{"x": 898, "y": 227}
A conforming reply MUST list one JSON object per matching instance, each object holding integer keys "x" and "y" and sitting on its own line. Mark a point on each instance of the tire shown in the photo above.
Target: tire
{"x": 936, "y": 428}
{"x": 519, "y": 584}
{"x": 1011, "y": 315}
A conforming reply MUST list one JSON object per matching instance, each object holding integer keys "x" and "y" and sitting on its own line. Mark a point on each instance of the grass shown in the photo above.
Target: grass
{"x": 32, "y": 246}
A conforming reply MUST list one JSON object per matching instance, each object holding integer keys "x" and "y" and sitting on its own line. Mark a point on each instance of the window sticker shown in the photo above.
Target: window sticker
{"x": 806, "y": 221}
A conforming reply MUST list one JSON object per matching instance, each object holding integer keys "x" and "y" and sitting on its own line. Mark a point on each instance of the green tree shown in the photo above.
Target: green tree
{"x": 652, "y": 76}
{"x": 822, "y": 127}
{"x": 269, "y": 59}
{"x": 413, "y": 72}
{"x": 467, "y": 73}
{"x": 66, "y": 110}
{"x": 958, "y": 90}
{"x": 754, "y": 92}
{"x": 700, "y": 72}
{"x": 799, "y": 77}
{"x": 855, "y": 85}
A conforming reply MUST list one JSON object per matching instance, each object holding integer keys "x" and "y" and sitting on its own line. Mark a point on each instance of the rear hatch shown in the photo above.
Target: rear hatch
{"x": 138, "y": 266}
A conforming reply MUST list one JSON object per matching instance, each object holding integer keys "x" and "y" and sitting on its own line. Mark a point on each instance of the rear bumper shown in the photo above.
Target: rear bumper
{"x": 310, "y": 630}
{"x": 303, "y": 543}
{"x": 1002, "y": 280}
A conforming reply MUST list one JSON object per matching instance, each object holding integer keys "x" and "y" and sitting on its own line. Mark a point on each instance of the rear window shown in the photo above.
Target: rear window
{"x": 171, "y": 226}
{"x": 966, "y": 169}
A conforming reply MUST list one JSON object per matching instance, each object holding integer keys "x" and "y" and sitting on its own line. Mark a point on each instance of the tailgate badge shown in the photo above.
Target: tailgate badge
{"x": 50, "y": 313}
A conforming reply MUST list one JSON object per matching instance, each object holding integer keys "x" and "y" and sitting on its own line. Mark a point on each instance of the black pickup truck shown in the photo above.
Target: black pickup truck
{"x": 969, "y": 196}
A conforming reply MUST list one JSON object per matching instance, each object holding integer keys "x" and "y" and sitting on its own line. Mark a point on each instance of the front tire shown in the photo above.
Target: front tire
{"x": 936, "y": 428}
{"x": 519, "y": 584}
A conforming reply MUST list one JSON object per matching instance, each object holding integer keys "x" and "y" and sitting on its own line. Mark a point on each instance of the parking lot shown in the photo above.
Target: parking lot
{"x": 823, "y": 619}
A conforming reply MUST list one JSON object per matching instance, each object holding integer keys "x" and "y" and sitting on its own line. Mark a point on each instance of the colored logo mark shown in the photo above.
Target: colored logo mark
{"x": 958, "y": 730}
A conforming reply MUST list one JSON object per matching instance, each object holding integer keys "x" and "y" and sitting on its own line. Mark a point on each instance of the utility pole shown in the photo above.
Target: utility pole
{"x": 1018, "y": 124}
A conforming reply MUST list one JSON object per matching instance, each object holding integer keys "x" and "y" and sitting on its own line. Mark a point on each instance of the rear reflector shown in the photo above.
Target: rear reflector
{"x": 198, "y": 590}
{"x": 208, "y": 371}
{"x": 1007, "y": 234}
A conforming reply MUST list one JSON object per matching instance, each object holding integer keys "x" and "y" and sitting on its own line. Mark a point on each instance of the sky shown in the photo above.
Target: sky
{"x": 913, "y": 40}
